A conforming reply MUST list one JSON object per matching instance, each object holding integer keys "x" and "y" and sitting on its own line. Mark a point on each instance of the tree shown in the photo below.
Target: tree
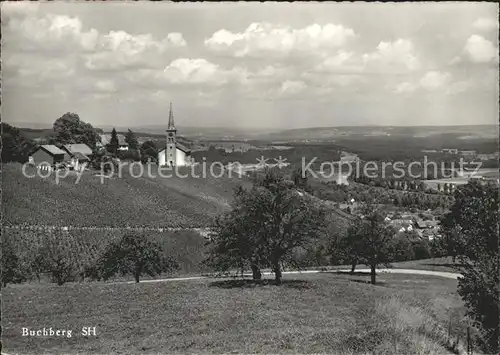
{"x": 12, "y": 270}
{"x": 56, "y": 258}
{"x": 15, "y": 147}
{"x": 471, "y": 230}
{"x": 267, "y": 225}
{"x": 131, "y": 140}
{"x": 70, "y": 129}
{"x": 114, "y": 143}
{"x": 149, "y": 150}
{"x": 136, "y": 255}
{"x": 370, "y": 241}
{"x": 299, "y": 178}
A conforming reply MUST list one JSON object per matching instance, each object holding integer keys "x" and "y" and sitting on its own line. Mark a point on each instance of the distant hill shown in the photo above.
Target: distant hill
{"x": 322, "y": 133}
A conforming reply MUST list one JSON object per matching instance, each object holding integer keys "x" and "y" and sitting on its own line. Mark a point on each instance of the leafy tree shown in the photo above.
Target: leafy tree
{"x": 15, "y": 147}
{"x": 370, "y": 241}
{"x": 114, "y": 143}
{"x": 148, "y": 149}
{"x": 131, "y": 140}
{"x": 70, "y": 129}
{"x": 56, "y": 258}
{"x": 12, "y": 270}
{"x": 402, "y": 249}
{"x": 130, "y": 155}
{"x": 268, "y": 224}
{"x": 300, "y": 178}
{"x": 136, "y": 255}
{"x": 471, "y": 230}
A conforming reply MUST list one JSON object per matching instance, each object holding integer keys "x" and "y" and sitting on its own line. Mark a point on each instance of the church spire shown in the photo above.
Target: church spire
{"x": 171, "y": 125}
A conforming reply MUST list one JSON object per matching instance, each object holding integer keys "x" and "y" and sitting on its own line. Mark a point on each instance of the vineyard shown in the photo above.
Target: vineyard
{"x": 82, "y": 248}
{"x": 114, "y": 202}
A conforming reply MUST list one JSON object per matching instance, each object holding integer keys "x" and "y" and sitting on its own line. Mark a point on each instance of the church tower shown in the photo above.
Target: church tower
{"x": 170, "y": 152}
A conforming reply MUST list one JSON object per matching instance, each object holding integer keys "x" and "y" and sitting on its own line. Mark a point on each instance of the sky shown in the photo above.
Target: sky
{"x": 251, "y": 65}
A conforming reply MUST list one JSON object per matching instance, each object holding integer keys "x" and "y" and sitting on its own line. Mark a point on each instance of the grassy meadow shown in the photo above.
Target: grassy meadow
{"x": 322, "y": 313}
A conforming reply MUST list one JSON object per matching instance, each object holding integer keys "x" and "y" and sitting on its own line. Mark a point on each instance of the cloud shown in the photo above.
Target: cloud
{"x": 485, "y": 24}
{"x": 434, "y": 80}
{"x": 66, "y": 36}
{"x": 105, "y": 85}
{"x": 12, "y": 9}
{"x": 264, "y": 38}
{"x": 397, "y": 55}
{"x": 291, "y": 87}
{"x": 200, "y": 71}
{"x": 187, "y": 72}
{"x": 480, "y": 50}
{"x": 405, "y": 87}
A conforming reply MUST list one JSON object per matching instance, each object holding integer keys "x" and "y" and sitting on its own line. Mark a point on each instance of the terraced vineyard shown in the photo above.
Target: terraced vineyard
{"x": 84, "y": 247}
{"x": 115, "y": 202}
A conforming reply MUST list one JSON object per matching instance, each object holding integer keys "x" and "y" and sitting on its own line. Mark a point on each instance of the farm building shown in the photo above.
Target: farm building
{"x": 48, "y": 155}
{"x": 173, "y": 154}
{"x": 106, "y": 138}
{"x": 78, "y": 154}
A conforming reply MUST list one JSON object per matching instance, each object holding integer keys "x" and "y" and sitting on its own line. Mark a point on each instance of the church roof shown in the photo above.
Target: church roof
{"x": 171, "y": 125}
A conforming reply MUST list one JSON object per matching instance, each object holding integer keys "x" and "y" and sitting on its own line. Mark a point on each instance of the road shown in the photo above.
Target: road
{"x": 448, "y": 275}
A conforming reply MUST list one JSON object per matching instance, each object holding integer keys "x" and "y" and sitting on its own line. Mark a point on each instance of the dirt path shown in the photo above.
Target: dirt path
{"x": 448, "y": 275}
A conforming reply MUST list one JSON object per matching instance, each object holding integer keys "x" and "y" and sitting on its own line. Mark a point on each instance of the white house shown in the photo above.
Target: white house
{"x": 173, "y": 154}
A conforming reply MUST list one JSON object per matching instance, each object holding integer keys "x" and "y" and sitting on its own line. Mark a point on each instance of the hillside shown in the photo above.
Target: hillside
{"x": 114, "y": 202}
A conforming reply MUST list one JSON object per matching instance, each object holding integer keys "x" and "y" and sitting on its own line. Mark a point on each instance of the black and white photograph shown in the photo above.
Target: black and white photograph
{"x": 250, "y": 178}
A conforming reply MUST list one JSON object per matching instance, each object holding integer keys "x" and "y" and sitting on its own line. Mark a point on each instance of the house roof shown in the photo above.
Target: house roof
{"x": 421, "y": 224}
{"x": 81, "y": 156}
{"x": 78, "y": 148}
{"x": 106, "y": 138}
{"x": 51, "y": 149}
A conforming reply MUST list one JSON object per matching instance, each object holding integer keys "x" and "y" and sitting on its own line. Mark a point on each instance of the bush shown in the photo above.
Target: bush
{"x": 421, "y": 250}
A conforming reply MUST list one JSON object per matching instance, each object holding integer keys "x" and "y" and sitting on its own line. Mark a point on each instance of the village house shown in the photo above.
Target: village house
{"x": 449, "y": 150}
{"x": 174, "y": 153}
{"x": 47, "y": 156}
{"x": 77, "y": 155}
{"x": 468, "y": 152}
{"x": 106, "y": 139}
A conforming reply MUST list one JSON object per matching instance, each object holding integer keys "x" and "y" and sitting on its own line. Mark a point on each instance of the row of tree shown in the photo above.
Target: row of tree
{"x": 277, "y": 223}
{"x": 133, "y": 254}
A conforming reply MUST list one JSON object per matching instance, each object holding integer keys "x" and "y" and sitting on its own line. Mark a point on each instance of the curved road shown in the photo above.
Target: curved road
{"x": 448, "y": 275}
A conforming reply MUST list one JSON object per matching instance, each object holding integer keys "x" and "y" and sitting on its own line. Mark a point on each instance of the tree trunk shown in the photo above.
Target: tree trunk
{"x": 277, "y": 273}
{"x": 137, "y": 274}
{"x": 353, "y": 266}
{"x": 373, "y": 274}
{"x": 256, "y": 274}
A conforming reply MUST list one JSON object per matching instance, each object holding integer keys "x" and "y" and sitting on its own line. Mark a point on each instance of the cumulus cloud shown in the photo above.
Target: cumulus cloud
{"x": 434, "y": 80}
{"x": 396, "y": 55}
{"x": 405, "y": 87}
{"x": 66, "y": 35}
{"x": 187, "y": 71}
{"x": 485, "y": 24}
{"x": 480, "y": 50}
{"x": 265, "y": 38}
{"x": 200, "y": 71}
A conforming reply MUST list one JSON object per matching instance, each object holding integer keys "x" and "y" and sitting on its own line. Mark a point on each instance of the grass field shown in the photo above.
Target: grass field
{"x": 327, "y": 313}
{"x": 118, "y": 202}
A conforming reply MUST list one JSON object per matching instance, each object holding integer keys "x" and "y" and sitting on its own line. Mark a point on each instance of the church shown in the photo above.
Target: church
{"x": 174, "y": 153}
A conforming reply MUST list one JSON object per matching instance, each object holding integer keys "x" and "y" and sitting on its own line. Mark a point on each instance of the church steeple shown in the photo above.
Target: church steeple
{"x": 171, "y": 126}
